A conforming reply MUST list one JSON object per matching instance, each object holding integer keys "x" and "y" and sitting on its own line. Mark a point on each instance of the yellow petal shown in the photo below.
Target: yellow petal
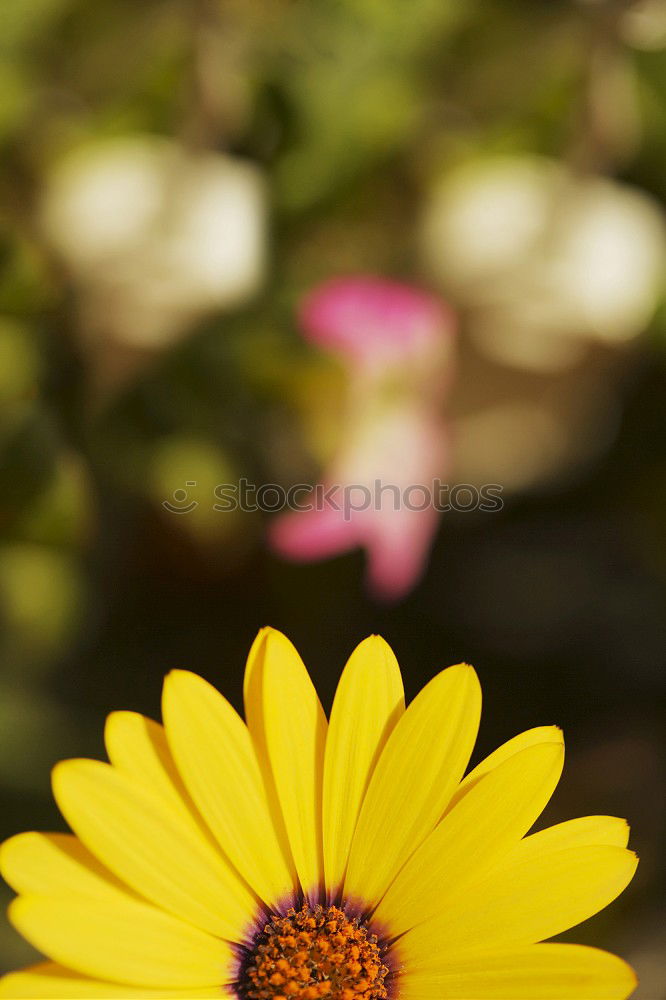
{"x": 485, "y": 824}
{"x": 541, "y": 734}
{"x": 138, "y": 746}
{"x": 368, "y": 702}
{"x": 57, "y": 864}
{"x": 582, "y": 832}
{"x": 49, "y": 981}
{"x": 216, "y": 759}
{"x": 290, "y": 729}
{"x": 253, "y": 698}
{"x": 522, "y": 903}
{"x": 420, "y": 766}
{"x": 126, "y": 942}
{"x": 153, "y": 848}
{"x": 540, "y": 972}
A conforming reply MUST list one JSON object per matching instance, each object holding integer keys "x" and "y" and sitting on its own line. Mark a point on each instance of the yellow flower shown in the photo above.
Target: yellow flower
{"x": 291, "y": 859}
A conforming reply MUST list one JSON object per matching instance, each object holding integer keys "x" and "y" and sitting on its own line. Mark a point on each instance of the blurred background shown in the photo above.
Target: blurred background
{"x": 175, "y": 175}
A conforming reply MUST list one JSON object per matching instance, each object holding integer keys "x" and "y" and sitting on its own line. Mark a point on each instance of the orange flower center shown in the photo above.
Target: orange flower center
{"x": 312, "y": 953}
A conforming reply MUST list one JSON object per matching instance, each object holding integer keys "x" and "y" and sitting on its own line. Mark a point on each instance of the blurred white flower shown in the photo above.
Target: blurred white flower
{"x": 643, "y": 25}
{"x": 155, "y": 236}
{"x": 102, "y": 199}
{"x": 546, "y": 262}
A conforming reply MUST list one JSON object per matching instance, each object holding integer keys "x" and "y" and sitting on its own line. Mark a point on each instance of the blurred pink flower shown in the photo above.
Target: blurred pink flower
{"x": 395, "y": 342}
